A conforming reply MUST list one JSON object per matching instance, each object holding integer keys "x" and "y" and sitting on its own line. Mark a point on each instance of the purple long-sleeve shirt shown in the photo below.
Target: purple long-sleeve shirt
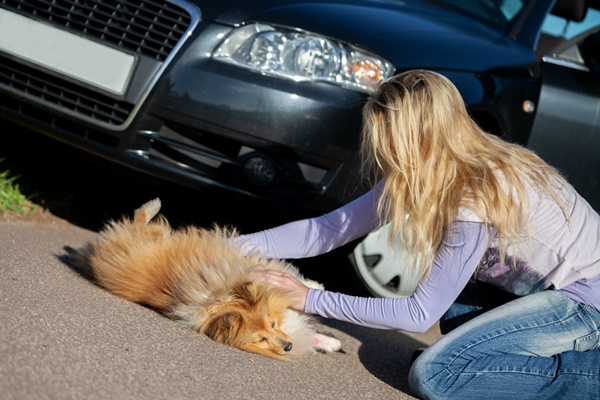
{"x": 565, "y": 257}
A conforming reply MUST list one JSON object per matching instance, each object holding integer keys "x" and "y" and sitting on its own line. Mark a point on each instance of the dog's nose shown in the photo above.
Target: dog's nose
{"x": 288, "y": 347}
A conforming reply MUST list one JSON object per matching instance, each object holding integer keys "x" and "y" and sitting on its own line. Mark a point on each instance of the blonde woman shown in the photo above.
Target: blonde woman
{"x": 506, "y": 248}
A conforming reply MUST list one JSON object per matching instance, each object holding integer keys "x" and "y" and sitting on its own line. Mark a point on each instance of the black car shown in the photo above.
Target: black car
{"x": 263, "y": 97}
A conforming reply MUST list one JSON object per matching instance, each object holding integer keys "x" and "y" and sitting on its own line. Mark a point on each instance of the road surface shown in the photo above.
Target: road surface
{"x": 61, "y": 337}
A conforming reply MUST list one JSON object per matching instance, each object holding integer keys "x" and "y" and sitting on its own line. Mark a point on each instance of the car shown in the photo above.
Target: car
{"x": 263, "y": 98}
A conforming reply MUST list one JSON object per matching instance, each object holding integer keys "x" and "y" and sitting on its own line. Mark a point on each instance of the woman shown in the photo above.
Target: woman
{"x": 489, "y": 222}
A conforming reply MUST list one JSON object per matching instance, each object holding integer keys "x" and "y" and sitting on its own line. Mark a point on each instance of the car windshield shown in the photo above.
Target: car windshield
{"x": 498, "y": 14}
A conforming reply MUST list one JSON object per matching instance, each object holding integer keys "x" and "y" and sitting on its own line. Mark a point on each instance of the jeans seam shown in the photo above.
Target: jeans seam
{"x": 577, "y": 312}
{"x": 509, "y": 338}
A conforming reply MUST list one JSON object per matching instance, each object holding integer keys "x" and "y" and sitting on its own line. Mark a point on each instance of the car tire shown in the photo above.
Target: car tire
{"x": 381, "y": 268}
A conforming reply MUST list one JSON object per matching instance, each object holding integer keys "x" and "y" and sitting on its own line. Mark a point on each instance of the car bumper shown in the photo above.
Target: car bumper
{"x": 194, "y": 121}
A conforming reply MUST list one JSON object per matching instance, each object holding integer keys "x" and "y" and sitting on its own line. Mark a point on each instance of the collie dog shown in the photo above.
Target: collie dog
{"x": 203, "y": 279}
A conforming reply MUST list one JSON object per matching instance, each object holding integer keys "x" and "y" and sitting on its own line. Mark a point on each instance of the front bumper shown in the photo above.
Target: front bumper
{"x": 191, "y": 120}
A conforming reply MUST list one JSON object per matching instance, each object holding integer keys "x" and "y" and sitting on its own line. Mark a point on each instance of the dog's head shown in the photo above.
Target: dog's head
{"x": 250, "y": 320}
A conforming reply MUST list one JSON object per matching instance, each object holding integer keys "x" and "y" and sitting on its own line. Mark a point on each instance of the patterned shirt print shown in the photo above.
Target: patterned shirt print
{"x": 514, "y": 275}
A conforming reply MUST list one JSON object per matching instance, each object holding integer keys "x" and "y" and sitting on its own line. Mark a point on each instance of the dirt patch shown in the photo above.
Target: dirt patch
{"x": 32, "y": 214}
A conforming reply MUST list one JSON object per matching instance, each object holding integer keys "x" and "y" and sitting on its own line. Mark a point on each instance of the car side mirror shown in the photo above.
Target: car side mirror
{"x": 571, "y": 10}
{"x": 590, "y": 51}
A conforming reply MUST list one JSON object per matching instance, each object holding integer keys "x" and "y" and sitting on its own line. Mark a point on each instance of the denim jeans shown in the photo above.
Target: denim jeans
{"x": 541, "y": 346}
{"x": 475, "y": 299}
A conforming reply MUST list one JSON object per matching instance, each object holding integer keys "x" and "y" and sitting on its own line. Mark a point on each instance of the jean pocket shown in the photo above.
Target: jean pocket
{"x": 588, "y": 342}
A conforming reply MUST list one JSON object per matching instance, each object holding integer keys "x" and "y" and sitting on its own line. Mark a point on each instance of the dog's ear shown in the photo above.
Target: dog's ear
{"x": 248, "y": 294}
{"x": 245, "y": 291}
{"x": 259, "y": 295}
{"x": 222, "y": 328}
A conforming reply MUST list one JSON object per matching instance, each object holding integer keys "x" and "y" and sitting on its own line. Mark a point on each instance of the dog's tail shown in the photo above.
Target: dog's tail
{"x": 146, "y": 212}
{"x": 130, "y": 258}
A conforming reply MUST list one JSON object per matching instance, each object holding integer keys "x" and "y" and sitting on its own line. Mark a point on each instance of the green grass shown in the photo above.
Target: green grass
{"x": 11, "y": 198}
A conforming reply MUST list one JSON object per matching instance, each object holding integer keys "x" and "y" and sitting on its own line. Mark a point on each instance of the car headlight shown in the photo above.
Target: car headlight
{"x": 302, "y": 56}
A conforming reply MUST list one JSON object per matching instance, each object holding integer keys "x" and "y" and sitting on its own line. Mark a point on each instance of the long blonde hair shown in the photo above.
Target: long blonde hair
{"x": 434, "y": 159}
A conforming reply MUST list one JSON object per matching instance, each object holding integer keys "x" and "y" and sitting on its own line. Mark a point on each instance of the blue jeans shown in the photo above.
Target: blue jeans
{"x": 541, "y": 346}
{"x": 475, "y": 299}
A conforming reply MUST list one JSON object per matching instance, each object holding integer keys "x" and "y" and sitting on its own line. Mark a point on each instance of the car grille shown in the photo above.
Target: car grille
{"x": 67, "y": 95}
{"x": 150, "y": 29}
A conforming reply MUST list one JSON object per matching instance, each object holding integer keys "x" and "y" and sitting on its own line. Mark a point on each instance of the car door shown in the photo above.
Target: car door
{"x": 566, "y": 129}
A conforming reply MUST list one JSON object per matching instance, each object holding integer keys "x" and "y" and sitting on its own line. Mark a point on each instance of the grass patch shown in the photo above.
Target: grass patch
{"x": 11, "y": 198}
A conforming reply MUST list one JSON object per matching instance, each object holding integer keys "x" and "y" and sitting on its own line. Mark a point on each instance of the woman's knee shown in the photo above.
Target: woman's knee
{"x": 429, "y": 376}
{"x": 417, "y": 380}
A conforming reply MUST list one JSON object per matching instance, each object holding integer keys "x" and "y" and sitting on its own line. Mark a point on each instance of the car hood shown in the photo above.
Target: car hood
{"x": 410, "y": 35}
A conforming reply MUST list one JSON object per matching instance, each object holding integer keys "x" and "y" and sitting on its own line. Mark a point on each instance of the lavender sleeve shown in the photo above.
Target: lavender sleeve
{"x": 454, "y": 264}
{"x": 315, "y": 236}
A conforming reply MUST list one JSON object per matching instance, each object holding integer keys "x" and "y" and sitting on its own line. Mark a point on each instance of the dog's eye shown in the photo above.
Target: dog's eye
{"x": 273, "y": 325}
{"x": 262, "y": 339}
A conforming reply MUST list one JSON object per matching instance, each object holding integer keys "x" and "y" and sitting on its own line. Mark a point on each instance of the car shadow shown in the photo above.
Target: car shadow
{"x": 386, "y": 354}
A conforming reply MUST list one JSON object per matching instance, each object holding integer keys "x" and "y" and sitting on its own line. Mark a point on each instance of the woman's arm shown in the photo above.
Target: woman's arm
{"x": 454, "y": 265}
{"x": 319, "y": 235}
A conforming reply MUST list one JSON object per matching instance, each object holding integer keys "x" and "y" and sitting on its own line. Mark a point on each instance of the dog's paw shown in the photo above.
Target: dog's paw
{"x": 313, "y": 284}
{"x": 326, "y": 344}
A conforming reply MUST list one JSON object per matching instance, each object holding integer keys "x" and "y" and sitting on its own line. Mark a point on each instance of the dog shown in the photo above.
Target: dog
{"x": 203, "y": 279}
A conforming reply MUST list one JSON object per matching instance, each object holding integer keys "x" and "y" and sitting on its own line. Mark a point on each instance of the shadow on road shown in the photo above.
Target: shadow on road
{"x": 389, "y": 357}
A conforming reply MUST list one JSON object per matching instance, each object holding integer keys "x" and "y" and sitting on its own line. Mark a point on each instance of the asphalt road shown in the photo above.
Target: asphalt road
{"x": 61, "y": 337}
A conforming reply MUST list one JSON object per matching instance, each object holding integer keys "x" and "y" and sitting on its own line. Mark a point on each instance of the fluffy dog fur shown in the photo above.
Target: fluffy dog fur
{"x": 203, "y": 279}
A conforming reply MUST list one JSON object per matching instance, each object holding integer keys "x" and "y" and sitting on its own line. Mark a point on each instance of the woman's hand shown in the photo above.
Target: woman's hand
{"x": 298, "y": 291}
